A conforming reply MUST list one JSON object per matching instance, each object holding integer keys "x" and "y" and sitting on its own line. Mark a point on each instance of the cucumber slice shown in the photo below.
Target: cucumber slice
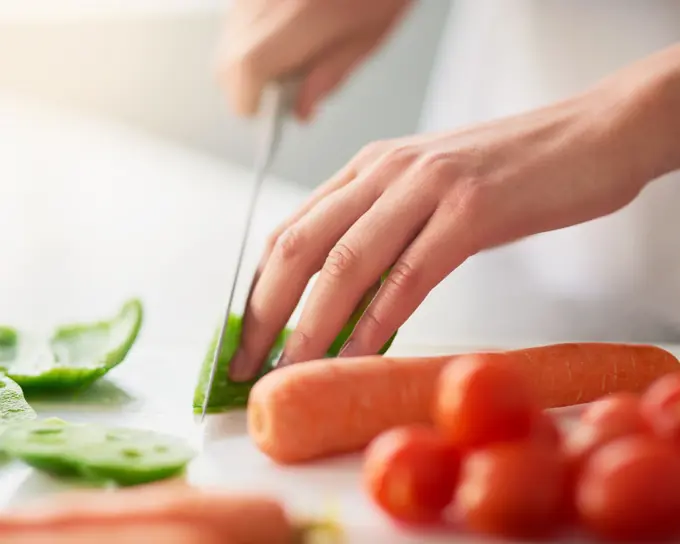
{"x": 48, "y": 445}
{"x": 95, "y": 453}
{"x": 13, "y": 405}
{"x": 133, "y": 456}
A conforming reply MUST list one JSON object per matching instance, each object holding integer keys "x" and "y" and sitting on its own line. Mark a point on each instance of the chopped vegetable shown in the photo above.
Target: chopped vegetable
{"x": 131, "y": 457}
{"x": 630, "y": 491}
{"x": 76, "y": 355}
{"x": 8, "y": 341}
{"x": 411, "y": 473}
{"x": 228, "y": 394}
{"x": 513, "y": 490}
{"x": 97, "y": 453}
{"x": 48, "y": 445}
{"x": 13, "y": 405}
{"x": 327, "y": 407}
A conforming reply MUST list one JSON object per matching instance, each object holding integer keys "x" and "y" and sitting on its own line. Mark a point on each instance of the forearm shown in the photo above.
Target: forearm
{"x": 642, "y": 115}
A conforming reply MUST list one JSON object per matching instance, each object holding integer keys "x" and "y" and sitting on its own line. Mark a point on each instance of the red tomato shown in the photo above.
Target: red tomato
{"x": 605, "y": 420}
{"x": 545, "y": 430}
{"x": 411, "y": 473}
{"x": 612, "y": 405}
{"x": 630, "y": 490}
{"x": 480, "y": 401}
{"x": 513, "y": 490}
{"x": 661, "y": 407}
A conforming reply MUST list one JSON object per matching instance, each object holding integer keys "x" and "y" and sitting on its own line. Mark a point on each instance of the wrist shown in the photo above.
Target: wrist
{"x": 642, "y": 116}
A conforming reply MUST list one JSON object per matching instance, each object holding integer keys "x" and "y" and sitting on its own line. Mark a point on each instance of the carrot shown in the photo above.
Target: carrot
{"x": 239, "y": 519}
{"x": 167, "y": 533}
{"x": 326, "y": 407}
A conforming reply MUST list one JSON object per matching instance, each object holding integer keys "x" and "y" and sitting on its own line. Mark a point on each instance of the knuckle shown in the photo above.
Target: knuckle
{"x": 470, "y": 198}
{"x": 403, "y": 278}
{"x": 372, "y": 151}
{"x": 371, "y": 322}
{"x": 437, "y": 165}
{"x": 401, "y": 155}
{"x": 289, "y": 244}
{"x": 474, "y": 197}
{"x": 341, "y": 262}
{"x": 298, "y": 341}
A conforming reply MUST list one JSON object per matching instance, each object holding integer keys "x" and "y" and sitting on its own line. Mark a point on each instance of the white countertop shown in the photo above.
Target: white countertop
{"x": 92, "y": 214}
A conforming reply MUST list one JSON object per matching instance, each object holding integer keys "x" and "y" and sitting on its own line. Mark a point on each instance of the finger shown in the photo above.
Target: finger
{"x": 295, "y": 258}
{"x": 349, "y": 172}
{"x": 329, "y": 73}
{"x": 443, "y": 245}
{"x": 353, "y": 265}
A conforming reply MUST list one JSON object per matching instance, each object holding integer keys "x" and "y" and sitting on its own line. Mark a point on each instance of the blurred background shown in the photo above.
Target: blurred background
{"x": 150, "y": 63}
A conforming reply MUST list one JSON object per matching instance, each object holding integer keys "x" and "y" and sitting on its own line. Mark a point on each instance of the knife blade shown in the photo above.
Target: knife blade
{"x": 276, "y": 104}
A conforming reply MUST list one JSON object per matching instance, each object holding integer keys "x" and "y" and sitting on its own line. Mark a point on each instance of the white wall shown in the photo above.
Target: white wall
{"x": 154, "y": 69}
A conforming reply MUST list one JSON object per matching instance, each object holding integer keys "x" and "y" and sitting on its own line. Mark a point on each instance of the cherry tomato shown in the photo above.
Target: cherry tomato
{"x": 612, "y": 417}
{"x": 411, "y": 473}
{"x": 480, "y": 401}
{"x": 660, "y": 407}
{"x": 612, "y": 406}
{"x": 545, "y": 430}
{"x": 630, "y": 490}
{"x": 513, "y": 490}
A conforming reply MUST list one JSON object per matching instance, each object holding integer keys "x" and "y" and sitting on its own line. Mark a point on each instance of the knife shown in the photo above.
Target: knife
{"x": 277, "y": 101}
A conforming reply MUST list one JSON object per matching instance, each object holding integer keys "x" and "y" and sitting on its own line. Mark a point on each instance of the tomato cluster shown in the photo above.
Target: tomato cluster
{"x": 496, "y": 462}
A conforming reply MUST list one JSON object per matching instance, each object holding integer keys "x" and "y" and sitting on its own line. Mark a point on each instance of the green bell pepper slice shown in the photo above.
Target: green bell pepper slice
{"x": 75, "y": 356}
{"x": 228, "y": 395}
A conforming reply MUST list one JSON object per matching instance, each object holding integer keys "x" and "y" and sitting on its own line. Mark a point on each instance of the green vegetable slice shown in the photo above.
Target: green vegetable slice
{"x": 229, "y": 395}
{"x": 95, "y": 453}
{"x": 48, "y": 445}
{"x": 226, "y": 393}
{"x": 76, "y": 355}
{"x": 132, "y": 457}
{"x": 13, "y": 405}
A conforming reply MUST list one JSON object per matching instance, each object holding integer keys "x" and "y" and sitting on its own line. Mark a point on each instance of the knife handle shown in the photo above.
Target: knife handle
{"x": 278, "y": 97}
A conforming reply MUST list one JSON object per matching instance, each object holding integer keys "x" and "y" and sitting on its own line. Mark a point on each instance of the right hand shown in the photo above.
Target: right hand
{"x": 324, "y": 40}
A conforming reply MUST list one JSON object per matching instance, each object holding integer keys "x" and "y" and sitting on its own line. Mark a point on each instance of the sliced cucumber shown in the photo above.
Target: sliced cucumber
{"x": 132, "y": 457}
{"x": 120, "y": 455}
{"x": 48, "y": 445}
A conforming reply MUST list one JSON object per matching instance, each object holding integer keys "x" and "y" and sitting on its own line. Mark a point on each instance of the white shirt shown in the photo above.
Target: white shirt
{"x": 615, "y": 278}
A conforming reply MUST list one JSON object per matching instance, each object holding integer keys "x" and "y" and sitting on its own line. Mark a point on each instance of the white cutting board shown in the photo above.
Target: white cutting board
{"x": 142, "y": 393}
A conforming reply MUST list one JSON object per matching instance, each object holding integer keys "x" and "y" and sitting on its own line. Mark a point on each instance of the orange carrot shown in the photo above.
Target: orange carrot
{"x": 167, "y": 533}
{"x": 327, "y": 407}
{"x": 239, "y": 519}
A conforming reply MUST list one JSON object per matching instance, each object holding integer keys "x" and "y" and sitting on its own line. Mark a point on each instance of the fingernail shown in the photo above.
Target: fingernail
{"x": 239, "y": 370}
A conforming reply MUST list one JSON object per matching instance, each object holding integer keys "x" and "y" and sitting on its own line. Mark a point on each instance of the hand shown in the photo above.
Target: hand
{"x": 323, "y": 39}
{"x": 424, "y": 204}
